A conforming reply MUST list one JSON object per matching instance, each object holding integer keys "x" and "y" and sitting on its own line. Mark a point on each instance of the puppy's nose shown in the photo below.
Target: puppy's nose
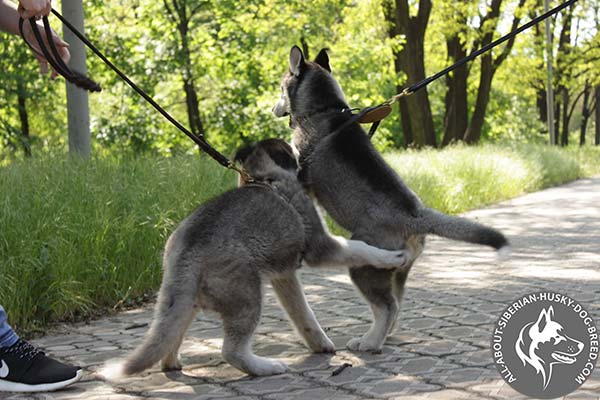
{"x": 580, "y": 346}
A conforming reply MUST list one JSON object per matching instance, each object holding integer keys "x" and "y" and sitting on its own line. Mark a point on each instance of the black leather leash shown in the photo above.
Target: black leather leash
{"x": 377, "y": 113}
{"x": 84, "y": 82}
{"x": 54, "y": 58}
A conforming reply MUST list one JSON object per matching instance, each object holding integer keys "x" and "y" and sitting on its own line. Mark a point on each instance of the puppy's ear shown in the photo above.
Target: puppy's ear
{"x": 280, "y": 152}
{"x": 323, "y": 59}
{"x": 297, "y": 63}
{"x": 243, "y": 153}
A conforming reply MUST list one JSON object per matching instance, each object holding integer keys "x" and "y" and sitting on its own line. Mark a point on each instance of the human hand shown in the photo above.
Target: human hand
{"x": 61, "y": 46}
{"x": 34, "y": 8}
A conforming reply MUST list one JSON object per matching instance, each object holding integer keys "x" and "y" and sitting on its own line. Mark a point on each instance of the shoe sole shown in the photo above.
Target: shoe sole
{"x": 8, "y": 386}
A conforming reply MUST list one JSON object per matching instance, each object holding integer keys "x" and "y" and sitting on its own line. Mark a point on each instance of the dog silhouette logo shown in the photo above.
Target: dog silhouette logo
{"x": 545, "y": 345}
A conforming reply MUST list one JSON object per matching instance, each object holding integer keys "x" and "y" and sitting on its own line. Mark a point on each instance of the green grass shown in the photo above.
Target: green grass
{"x": 77, "y": 238}
{"x": 460, "y": 178}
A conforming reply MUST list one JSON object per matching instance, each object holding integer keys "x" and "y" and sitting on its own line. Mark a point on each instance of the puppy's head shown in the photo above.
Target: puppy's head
{"x": 308, "y": 86}
{"x": 267, "y": 159}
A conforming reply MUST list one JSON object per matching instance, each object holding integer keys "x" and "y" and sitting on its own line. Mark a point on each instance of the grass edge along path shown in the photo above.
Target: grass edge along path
{"x": 78, "y": 237}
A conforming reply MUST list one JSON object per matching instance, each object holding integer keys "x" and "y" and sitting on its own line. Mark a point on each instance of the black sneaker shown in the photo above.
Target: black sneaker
{"x": 23, "y": 368}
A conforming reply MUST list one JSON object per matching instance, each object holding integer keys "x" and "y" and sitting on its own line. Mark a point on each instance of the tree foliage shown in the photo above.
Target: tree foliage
{"x": 216, "y": 65}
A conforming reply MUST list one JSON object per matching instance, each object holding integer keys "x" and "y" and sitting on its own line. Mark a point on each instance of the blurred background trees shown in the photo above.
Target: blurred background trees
{"x": 216, "y": 65}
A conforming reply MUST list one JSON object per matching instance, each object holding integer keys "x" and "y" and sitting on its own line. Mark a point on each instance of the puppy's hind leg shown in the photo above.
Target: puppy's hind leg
{"x": 171, "y": 362}
{"x": 398, "y": 282}
{"x": 416, "y": 244}
{"x": 376, "y": 287}
{"x": 240, "y": 316}
{"x": 291, "y": 296}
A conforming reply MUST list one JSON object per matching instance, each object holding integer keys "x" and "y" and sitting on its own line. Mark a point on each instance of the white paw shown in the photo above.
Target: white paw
{"x": 324, "y": 346}
{"x": 266, "y": 366}
{"x": 364, "y": 345}
{"x": 393, "y": 259}
{"x": 171, "y": 366}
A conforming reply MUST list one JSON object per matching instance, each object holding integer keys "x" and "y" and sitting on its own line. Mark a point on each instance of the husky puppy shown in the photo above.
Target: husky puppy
{"x": 354, "y": 184}
{"x": 219, "y": 256}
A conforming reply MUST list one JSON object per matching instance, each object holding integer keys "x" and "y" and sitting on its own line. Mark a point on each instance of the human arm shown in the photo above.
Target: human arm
{"x": 9, "y": 22}
{"x": 9, "y": 17}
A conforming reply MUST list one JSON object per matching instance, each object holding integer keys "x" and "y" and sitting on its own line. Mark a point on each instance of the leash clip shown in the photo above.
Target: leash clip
{"x": 405, "y": 93}
{"x": 243, "y": 173}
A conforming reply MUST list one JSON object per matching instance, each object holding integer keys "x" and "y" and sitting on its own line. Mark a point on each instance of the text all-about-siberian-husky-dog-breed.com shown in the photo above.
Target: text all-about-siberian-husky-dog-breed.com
{"x": 218, "y": 257}
{"x": 354, "y": 184}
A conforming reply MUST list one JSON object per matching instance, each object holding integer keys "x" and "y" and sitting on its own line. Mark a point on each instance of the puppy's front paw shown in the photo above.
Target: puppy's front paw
{"x": 171, "y": 364}
{"x": 266, "y": 366}
{"x": 360, "y": 344}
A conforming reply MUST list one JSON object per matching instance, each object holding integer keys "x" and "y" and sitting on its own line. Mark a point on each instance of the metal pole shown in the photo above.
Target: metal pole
{"x": 77, "y": 99}
{"x": 549, "y": 88}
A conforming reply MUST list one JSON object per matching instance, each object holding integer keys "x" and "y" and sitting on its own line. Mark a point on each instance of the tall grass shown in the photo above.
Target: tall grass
{"x": 78, "y": 237}
{"x": 460, "y": 178}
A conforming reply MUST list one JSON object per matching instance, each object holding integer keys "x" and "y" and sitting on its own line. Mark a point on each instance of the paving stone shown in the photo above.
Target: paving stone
{"x": 348, "y": 375}
{"x": 271, "y": 384}
{"x": 313, "y": 394}
{"x": 392, "y": 386}
{"x": 447, "y": 394}
{"x": 197, "y": 392}
{"x": 437, "y": 347}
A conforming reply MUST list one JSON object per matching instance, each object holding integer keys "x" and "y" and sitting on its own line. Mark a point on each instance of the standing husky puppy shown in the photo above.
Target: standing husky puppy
{"x": 218, "y": 257}
{"x": 359, "y": 190}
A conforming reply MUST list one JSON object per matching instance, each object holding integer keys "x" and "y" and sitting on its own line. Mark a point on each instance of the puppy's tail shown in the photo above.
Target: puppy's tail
{"x": 169, "y": 324}
{"x": 173, "y": 312}
{"x": 462, "y": 229}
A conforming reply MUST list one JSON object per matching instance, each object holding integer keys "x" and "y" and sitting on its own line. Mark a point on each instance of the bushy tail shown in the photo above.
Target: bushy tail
{"x": 173, "y": 313}
{"x": 160, "y": 340}
{"x": 462, "y": 229}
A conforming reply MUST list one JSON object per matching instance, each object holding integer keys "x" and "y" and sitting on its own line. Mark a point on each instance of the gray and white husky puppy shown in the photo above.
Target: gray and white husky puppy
{"x": 218, "y": 258}
{"x": 362, "y": 193}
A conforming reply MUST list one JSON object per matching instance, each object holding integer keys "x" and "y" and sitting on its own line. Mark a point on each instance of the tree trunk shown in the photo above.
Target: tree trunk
{"x": 597, "y": 95}
{"x": 541, "y": 92}
{"x": 405, "y": 120}
{"x": 24, "y": 118}
{"x": 541, "y": 105}
{"x": 564, "y": 136}
{"x": 411, "y": 61}
{"x": 557, "y": 109}
{"x": 473, "y": 133}
{"x": 78, "y": 112}
{"x": 305, "y": 49}
{"x": 585, "y": 113}
{"x": 403, "y": 106}
{"x": 191, "y": 96}
{"x": 456, "y": 118}
{"x": 180, "y": 14}
{"x": 489, "y": 66}
{"x": 564, "y": 73}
